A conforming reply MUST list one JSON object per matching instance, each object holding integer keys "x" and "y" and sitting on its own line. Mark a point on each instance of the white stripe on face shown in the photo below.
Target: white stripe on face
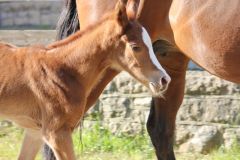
{"x": 148, "y": 43}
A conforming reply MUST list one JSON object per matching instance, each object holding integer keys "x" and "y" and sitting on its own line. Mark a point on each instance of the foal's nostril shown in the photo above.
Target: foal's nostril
{"x": 164, "y": 81}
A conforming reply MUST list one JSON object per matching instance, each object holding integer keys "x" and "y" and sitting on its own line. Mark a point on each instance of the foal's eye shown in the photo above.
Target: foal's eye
{"x": 135, "y": 48}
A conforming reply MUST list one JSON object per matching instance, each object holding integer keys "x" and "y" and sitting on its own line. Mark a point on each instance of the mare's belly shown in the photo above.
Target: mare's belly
{"x": 226, "y": 66}
{"x": 208, "y": 33}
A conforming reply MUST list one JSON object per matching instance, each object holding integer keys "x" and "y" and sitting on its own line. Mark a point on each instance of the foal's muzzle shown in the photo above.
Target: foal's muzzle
{"x": 158, "y": 88}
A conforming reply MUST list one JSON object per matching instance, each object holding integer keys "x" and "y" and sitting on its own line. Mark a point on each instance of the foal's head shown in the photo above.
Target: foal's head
{"x": 138, "y": 57}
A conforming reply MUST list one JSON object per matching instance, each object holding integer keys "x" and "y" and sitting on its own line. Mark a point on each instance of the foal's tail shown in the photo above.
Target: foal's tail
{"x": 68, "y": 22}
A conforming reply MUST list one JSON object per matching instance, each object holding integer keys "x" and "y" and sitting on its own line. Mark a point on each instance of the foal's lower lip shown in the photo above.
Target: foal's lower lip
{"x": 154, "y": 87}
{"x": 151, "y": 86}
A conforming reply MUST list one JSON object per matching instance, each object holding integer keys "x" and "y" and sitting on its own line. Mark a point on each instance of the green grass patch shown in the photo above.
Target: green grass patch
{"x": 100, "y": 144}
{"x": 10, "y": 138}
{"x": 102, "y": 141}
{"x": 227, "y": 154}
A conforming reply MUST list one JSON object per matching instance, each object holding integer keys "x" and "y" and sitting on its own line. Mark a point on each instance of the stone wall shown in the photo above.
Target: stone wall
{"x": 208, "y": 118}
{"x": 27, "y": 37}
{"x": 16, "y": 14}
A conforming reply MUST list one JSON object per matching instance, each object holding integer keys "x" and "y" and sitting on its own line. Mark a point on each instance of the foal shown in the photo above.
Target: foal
{"x": 45, "y": 89}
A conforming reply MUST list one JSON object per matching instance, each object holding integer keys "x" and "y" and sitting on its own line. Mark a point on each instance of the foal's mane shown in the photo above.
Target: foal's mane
{"x": 79, "y": 33}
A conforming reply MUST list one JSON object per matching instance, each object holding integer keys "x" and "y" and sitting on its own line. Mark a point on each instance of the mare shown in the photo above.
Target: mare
{"x": 206, "y": 32}
{"x": 45, "y": 89}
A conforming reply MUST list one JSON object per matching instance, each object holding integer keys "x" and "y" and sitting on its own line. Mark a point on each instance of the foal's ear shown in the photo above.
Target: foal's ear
{"x": 121, "y": 13}
{"x": 132, "y": 9}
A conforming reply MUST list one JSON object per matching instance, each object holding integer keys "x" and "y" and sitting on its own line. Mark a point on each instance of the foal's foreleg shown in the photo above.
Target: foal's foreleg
{"x": 31, "y": 144}
{"x": 60, "y": 142}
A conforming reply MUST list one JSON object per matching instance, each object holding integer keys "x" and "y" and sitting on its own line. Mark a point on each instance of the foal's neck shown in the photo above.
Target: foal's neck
{"x": 88, "y": 53}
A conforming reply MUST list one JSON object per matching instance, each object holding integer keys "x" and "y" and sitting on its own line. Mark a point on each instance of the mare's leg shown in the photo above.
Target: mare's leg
{"x": 31, "y": 145}
{"x": 161, "y": 120}
{"x": 48, "y": 153}
{"x": 61, "y": 143}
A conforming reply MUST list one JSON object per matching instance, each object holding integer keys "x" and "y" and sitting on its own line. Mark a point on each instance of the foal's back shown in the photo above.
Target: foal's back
{"x": 13, "y": 63}
{"x": 11, "y": 67}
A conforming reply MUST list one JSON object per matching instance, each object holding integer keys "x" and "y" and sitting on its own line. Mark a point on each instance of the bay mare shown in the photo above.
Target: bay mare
{"x": 206, "y": 32}
{"x": 45, "y": 89}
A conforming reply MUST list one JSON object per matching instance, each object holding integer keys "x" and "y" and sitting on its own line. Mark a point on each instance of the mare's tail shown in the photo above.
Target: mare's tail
{"x": 68, "y": 23}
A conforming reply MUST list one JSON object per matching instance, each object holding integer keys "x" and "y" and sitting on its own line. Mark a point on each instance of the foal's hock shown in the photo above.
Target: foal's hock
{"x": 46, "y": 90}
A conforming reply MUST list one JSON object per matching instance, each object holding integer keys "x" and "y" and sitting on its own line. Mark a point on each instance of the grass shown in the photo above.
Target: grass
{"x": 101, "y": 141}
{"x": 219, "y": 154}
{"x": 99, "y": 144}
{"x": 227, "y": 154}
{"x": 10, "y": 138}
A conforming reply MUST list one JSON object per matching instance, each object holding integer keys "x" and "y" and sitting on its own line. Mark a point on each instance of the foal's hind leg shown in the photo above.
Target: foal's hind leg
{"x": 161, "y": 121}
{"x": 31, "y": 144}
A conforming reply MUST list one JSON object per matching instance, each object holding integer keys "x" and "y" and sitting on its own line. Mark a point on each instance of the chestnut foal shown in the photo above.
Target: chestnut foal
{"x": 45, "y": 89}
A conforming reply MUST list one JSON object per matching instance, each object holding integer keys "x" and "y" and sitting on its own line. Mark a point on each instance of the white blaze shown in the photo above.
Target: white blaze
{"x": 148, "y": 43}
